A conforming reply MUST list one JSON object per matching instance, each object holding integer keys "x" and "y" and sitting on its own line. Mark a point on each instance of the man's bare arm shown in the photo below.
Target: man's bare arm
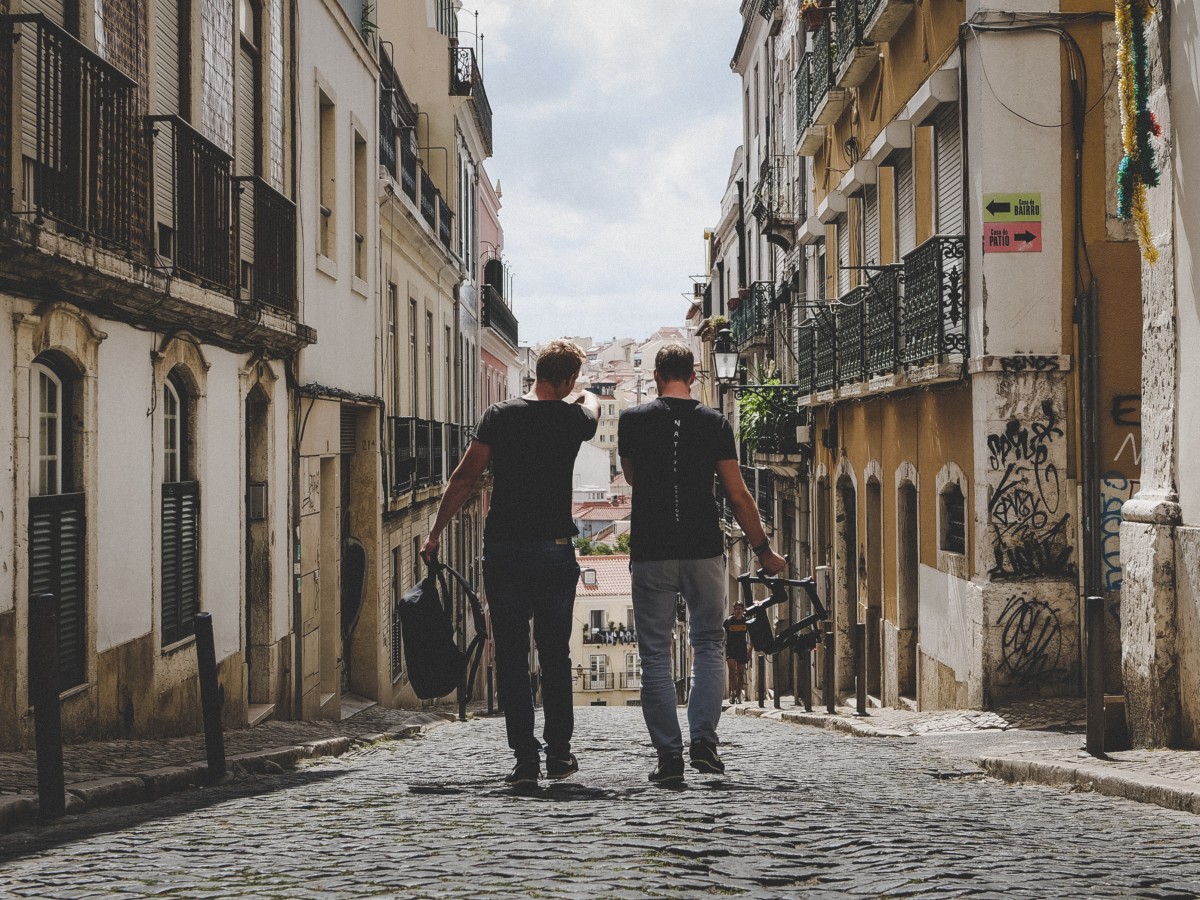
{"x": 746, "y": 512}
{"x": 458, "y": 489}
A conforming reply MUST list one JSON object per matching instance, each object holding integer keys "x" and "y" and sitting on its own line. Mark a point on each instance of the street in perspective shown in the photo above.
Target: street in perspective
{"x": 625, "y": 449}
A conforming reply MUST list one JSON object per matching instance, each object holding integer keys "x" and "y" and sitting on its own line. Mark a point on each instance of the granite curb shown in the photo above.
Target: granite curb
{"x": 21, "y": 810}
{"x": 1083, "y": 776}
{"x": 847, "y": 724}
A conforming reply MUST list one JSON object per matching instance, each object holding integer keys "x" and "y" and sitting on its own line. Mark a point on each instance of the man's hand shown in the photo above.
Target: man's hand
{"x": 429, "y": 552}
{"x": 771, "y": 562}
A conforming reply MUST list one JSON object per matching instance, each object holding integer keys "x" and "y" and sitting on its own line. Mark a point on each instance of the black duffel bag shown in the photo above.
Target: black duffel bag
{"x": 435, "y": 664}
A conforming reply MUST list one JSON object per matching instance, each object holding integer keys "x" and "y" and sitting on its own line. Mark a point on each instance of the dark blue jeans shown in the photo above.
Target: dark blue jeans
{"x": 533, "y": 579}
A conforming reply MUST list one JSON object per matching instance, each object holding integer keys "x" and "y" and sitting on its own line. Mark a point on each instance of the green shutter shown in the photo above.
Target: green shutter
{"x": 57, "y": 566}
{"x": 180, "y": 559}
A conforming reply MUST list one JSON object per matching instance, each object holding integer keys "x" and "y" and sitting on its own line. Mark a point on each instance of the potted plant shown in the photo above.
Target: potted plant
{"x": 711, "y": 327}
{"x": 766, "y": 417}
{"x": 815, "y": 12}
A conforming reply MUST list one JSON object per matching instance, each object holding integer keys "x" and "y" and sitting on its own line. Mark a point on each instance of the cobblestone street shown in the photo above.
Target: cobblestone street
{"x": 803, "y": 810}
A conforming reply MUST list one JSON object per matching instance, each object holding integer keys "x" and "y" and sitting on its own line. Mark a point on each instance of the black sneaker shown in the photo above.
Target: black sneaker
{"x": 705, "y": 758}
{"x": 558, "y": 767}
{"x": 524, "y": 772}
{"x": 668, "y": 770}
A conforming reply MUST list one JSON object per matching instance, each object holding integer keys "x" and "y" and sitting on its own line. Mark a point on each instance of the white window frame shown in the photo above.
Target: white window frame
{"x": 172, "y": 422}
{"x": 39, "y": 485}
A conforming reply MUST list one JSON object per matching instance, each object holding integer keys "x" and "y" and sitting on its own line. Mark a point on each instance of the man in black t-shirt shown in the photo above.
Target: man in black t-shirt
{"x": 529, "y": 565}
{"x": 670, "y": 450}
{"x": 737, "y": 651}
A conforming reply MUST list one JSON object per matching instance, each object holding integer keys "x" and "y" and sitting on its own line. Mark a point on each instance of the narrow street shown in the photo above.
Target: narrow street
{"x": 802, "y": 811}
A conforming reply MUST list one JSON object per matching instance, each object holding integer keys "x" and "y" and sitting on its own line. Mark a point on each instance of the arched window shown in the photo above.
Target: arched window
{"x": 173, "y": 415}
{"x": 47, "y": 431}
{"x": 953, "y": 519}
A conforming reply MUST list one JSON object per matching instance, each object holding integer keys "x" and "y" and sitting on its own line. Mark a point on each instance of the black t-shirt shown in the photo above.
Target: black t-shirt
{"x": 674, "y": 446}
{"x": 735, "y": 639}
{"x": 534, "y": 444}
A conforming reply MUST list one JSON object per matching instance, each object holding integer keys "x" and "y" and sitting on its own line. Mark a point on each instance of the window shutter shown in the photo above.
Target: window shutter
{"x": 906, "y": 214}
{"x": 948, "y": 150}
{"x": 436, "y": 432}
{"x": 56, "y": 566}
{"x": 423, "y": 445}
{"x": 402, "y": 450}
{"x": 180, "y": 559}
{"x": 871, "y": 225}
{"x": 349, "y": 424}
{"x": 842, "y": 223}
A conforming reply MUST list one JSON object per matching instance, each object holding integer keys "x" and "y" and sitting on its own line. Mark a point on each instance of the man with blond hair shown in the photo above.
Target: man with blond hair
{"x": 670, "y": 450}
{"x": 529, "y": 566}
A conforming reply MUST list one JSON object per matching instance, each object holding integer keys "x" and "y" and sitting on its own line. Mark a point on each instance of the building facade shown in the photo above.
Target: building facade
{"x": 939, "y": 310}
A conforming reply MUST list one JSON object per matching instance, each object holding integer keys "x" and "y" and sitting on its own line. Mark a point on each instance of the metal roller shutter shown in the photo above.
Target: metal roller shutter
{"x": 843, "y": 254}
{"x": 871, "y": 225}
{"x": 948, "y": 150}
{"x": 906, "y": 213}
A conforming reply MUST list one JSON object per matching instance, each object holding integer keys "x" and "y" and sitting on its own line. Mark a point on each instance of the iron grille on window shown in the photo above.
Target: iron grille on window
{"x": 57, "y": 560}
{"x": 436, "y": 432}
{"x": 79, "y": 136}
{"x": 954, "y": 513}
{"x": 180, "y": 559}
{"x": 934, "y": 305}
{"x": 404, "y": 460}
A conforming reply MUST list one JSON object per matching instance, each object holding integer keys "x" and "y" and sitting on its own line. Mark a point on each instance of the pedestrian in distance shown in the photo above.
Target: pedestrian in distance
{"x": 670, "y": 449}
{"x": 529, "y": 564}
{"x": 737, "y": 651}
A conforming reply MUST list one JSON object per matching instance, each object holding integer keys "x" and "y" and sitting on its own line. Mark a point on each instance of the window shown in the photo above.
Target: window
{"x": 47, "y": 432}
{"x": 412, "y": 352}
{"x": 393, "y": 311}
{"x": 327, "y": 186}
{"x": 598, "y": 672}
{"x": 360, "y": 206}
{"x": 954, "y": 519}
{"x": 596, "y": 620}
{"x": 633, "y": 670}
{"x": 429, "y": 364}
{"x": 180, "y": 520}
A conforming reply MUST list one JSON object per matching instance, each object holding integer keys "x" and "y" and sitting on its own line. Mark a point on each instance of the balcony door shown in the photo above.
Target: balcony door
{"x": 248, "y": 129}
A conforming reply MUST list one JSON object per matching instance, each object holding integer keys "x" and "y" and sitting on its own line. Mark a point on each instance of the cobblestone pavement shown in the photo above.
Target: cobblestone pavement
{"x": 803, "y": 811}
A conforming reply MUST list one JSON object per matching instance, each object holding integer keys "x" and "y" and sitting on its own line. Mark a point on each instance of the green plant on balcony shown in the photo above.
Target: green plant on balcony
{"x": 815, "y": 12}
{"x": 713, "y": 324}
{"x": 767, "y": 418}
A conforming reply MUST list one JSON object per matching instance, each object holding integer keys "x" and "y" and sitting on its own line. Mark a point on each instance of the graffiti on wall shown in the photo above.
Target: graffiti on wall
{"x": 1029, "y": 530}
{"x": 1031, "y": 640}
{"x": 1115, "y": 489}
{"x": 1029, "y": 364}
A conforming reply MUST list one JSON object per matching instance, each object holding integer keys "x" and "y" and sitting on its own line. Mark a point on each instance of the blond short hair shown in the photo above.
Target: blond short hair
{"x": 560, "y": 361}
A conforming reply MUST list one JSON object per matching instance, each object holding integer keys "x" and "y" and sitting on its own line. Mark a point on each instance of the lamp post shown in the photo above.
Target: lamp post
{"x": 725, "y": 357}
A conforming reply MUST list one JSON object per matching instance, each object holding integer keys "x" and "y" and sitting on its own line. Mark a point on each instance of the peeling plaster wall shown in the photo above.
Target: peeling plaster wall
{"x": 949, "y": 629}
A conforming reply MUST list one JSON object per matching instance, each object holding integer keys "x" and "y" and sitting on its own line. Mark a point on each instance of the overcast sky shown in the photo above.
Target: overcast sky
{"x": 615, "y": 124}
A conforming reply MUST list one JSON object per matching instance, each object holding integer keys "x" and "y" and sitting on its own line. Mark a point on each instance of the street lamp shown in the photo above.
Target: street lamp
{"x": 725, "y": 357}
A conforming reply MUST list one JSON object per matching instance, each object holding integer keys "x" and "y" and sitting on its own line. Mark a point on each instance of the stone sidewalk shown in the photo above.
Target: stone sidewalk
{"x": 1168, "y": 778}
{"x": 110, "y": 773}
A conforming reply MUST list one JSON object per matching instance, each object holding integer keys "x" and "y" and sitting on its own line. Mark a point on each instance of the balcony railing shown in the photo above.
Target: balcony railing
{"x": 598, "y": 681}
{"x": 445, "y": 222}
{"x": 765, "y": 495}
{"x": 776, "y": 198}
{"x": 631, "y": 681}
{"x": 498, "y": 316}
{"x": 193, "y": 189}
{"x": 805, "y": 347}
{"x": 268, "y": 245}
{"x": 934, "y": 325}
{"x": 821, "y": 62}
{"x": 750, "y": 322}
{"x": 850, "y": 329}
{"x": 880, "y": 330}
{"x": 77, "y": 141}
{"x": 804, "y": 96}
{"x": 404, "y": 459}
{"x": 428, "y": 199}
{"x": 454, "y": 446}
{"x": 397, "y": 114}
{"x": 467, "y": 81}
{"x": 846, "y": 21}
{"x": 824, "y": 350}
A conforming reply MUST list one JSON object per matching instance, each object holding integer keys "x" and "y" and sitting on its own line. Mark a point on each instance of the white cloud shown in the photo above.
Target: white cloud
{"x": 614, "y": 126}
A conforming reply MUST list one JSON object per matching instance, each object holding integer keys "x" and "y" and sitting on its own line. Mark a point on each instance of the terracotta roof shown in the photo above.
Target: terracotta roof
{"x": 604, "y": 512}
{"x": 612, "y": 577}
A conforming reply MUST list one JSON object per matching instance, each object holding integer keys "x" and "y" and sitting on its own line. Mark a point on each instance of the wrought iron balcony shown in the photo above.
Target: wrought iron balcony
{"x": 408, "y": 170}
{"x": 631, "y": 681}
{"x": 821, "y": 62}
{"x": 445, "y": 218}
{"x": 404, "y": 458}
{"x": 193, "y": 191}
{"x": 428, "y": 199}
{"x": 72, "y": 120}
{"x": 765, "y": 495}
{"x": 824, "y": 349}
{"x": 804, "y": 96}
{"x": 806, "y": 336}
{"x": 778, "y": 204}
{"x": 498, "y": 317}
{"x": 934, "y": 310}
{"x": 267, "y": 244}
{"x": 397, "y": 115}
{"x": 598, "y": 681}
{"x": 880, "y": 330}
{"x": 850, "y": 322}
{"x": 750, "y": 323}
{"x": 467, "y": 81}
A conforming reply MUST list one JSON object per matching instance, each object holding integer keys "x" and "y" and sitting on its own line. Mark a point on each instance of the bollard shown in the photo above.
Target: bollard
{"x": 794, "y": 662}
{"x": 776, "y": 663}
{"x": 1094, "y": 624}
{"x": 210, "y": 696}
{"x": 860, "y": 658}
{"x": 762, "y": 681}
{"x": 491, "y": 691}
{"x": 804, "y": 678}
{"x": 830, "y": 670}
{"x": 47, "y": 714}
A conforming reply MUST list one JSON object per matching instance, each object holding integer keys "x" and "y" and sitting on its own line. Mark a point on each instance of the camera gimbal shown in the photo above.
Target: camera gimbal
{"x": 802, "y": 635}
